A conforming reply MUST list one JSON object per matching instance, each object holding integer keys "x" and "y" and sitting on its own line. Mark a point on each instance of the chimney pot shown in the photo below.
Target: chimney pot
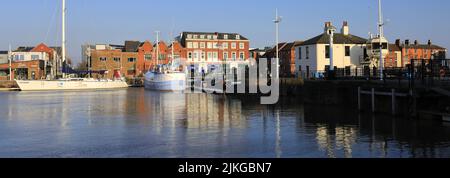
{"x": 406, "y": 42}
{"x": 397, "y": 42}
{"x": 429, "y": 42}
{"x": 416, "y": 42}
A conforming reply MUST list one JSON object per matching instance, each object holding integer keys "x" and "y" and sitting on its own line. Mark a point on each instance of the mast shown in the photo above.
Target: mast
{"x": 63, "y": 47}
{"x": 381, "y": 37}
{"x": 9, "y": 60}
{"x": 157, "y": 47}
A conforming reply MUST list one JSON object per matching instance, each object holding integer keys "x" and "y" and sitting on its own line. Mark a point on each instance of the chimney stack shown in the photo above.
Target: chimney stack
{"x": 429, "y": 43}
{"x": 406, "y": 42}
{"x": 327, "y": 25}
{"x": 416, "y": 42}
{"x": 397, "y": 42}
{"x": 345, "y": 28}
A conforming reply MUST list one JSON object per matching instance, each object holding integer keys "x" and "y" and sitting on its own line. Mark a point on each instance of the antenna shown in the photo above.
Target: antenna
{"x": 63, "y": 47}
{"x": 157, "y": 47}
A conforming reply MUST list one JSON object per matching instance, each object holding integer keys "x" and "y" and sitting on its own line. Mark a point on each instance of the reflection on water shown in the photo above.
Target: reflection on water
{"x": 139, "y": 123}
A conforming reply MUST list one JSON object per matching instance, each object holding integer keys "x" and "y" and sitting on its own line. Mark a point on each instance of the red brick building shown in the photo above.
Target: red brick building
{"x": 414, "y": 51}
{"x": 210, "y": 47}
{"x": 32, "y": 63}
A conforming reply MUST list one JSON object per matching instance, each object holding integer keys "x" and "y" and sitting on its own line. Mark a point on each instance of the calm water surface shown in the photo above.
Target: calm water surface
{"x": 139, "y": 123}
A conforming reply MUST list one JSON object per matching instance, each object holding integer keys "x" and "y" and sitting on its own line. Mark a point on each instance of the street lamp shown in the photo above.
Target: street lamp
{"x": 331, "y": 30}
{"x": 10, "y": 57}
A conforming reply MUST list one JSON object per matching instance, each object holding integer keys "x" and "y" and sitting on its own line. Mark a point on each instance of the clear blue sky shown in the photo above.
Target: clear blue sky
{"x": 29, "y": 22}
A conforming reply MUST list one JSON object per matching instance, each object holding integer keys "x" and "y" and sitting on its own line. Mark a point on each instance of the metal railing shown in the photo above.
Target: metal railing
{"x": 434, "y": 72}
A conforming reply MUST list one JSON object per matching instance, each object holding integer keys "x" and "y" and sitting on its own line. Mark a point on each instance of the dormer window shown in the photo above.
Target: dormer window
{"x": 195, "y": 36}
{"x": 238, "y": 37}
{"x": 225, "y": 37}
{"x": 202, "y": 36}
{"x": 189, "y": 36}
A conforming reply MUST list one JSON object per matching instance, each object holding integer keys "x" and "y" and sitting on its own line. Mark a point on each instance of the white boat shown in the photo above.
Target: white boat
{"x": 70, "y": 84}
{"x": 165, "y": 77}
{"x": 165, "y": 81}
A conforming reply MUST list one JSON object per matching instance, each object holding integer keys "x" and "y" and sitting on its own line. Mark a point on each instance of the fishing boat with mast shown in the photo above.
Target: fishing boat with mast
{"x": 165, "y": 77}
{"x": 70, "y": 83}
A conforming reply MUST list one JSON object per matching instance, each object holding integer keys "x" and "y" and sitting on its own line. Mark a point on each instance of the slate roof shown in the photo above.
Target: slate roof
{"x": 338, "y": 39}
{"x": 132, "y": 46}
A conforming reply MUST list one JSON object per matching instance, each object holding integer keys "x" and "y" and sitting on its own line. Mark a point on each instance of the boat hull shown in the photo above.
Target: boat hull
{"x": 69, "y": 85}
{"x": 165, "y": 82}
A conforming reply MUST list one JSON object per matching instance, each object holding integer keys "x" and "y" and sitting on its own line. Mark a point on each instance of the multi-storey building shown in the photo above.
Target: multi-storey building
{"x": 313, "y": 55}
{"x": 32, "y": 63}
{"x": 206, "y": 50}
{"x": 114, "y": 59}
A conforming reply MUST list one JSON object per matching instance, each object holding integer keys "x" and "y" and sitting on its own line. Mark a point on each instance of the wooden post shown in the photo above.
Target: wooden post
{"x": 359, "y": 98}
{"x": 394, "y": 104}
{"x": 373, "y": 99}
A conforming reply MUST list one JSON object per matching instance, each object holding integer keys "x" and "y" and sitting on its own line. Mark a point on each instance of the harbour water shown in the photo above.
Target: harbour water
{"x": 138, "y": 123}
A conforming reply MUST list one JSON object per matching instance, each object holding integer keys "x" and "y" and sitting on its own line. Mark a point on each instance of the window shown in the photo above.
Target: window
{"x": 307, "y": 52}
{"x": 327, "y": 51}
{"x": 347, "y": 51}
{"x": 203, "y": 55}
{"x": 225, "y": 37}
{"x": 241, "y": 56}
{"x": 19, "y": 57}
{"x": 131, "y": 59}
{"x": 233, "y": 56}
{"x": 202, "y": 45}
{"x": 189, "y": 36}
{"x": 241, "y": 46}
{"x": 209, "y": 36}
{"x": 103, "y": 59}
{"x": 209, "y": 55}
{"x": 190, "y": 55}
{"x": 202, "y": 36}
{"x": 210, "y": 45}
{"x": 215, "y": 46}
{"x": 215, "y": 55}
{"x": 195, "y": 55}
{"x": 300, "y": 68}
{"x": 117, "y": 59}
{"x": 189, "y": 45}
{"x": 300, "y": 53}
{"x": 35, "y": 57}
{"x": 195, "y": 36}
{"x": 238, "y": 37}
{"x": 233, "y": 45}
{"x": 148, "y": 57}
{"x": 162, "y": 57}
{"x": 225, "y": 55}
{"x": 225, "y": 45}
{"x": 195, "y": 45}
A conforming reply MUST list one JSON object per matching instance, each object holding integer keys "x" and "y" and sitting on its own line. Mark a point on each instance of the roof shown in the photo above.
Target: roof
{"x": 291, "y": 45}
{"x": 394, "y": 47}
{"x": 132, "y": 46}
{"x": 220, "y": 36}
{"x": 24, "y": 49}
{"x": 338, "y": 39}
{"x": 422, "y": 46}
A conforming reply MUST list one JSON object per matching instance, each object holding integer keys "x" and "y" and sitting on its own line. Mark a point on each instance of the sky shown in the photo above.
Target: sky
{"x": 30, "y": 22}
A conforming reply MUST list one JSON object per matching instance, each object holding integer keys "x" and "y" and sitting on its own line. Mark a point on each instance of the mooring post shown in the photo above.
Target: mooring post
{"x": 394, "y": 104}
{"x": 373, "y": 99}
{"x": 359, "y": 98}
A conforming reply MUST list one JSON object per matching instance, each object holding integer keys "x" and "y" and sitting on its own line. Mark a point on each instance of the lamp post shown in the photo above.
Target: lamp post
{"x": 277, "y": 21}
{"x": 331, "y": 30}
{"x": 381, "y": 37}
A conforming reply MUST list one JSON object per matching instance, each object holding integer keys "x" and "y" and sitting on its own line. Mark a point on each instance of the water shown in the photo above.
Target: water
{"x": 139, "y": 123}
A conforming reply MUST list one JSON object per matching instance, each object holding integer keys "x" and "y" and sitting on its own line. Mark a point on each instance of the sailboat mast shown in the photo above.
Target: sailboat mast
{"x": 157, "y": 47}
{"x": 10, "y": 61}
{"x": 63, "y": 47}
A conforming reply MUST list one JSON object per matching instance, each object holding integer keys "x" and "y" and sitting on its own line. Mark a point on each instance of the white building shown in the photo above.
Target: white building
{"x": 313, "y": 56}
